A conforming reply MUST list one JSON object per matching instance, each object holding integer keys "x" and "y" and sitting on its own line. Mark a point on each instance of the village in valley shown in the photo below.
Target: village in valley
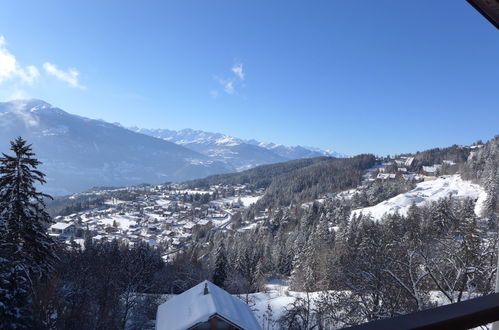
{"x": 163, "y": 215}
{"x": 170, "y": 216}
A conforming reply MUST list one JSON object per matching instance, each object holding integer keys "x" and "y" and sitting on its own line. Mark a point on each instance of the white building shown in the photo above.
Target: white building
{"x": 205, "y": 306}
{"x": 62, "y": 229}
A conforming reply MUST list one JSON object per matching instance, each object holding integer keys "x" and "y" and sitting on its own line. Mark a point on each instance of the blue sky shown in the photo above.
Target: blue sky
{"x": 354, "y": 76}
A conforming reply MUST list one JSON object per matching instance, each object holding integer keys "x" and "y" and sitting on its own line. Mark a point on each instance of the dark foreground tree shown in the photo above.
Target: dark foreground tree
{"x": 220, "y": 272}
{"x": 26, "y": 250}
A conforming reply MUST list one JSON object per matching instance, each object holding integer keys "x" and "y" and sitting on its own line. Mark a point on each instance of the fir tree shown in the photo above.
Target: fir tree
{"x": 220, "y": 271}
{"x": 26, "y": 250}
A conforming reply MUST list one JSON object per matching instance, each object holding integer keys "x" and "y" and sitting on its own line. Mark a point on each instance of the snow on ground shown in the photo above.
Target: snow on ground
{"x": 163, "y": 202}
{"x": 248, "y": 227}
{"x": 250, "y": 200}
{"x": 123, "y": 221}
{"x": 278, "y": 296}
{"x": 428, "y": 191}
{"x": 193, "y": 192}
{"x": 245, "y": 200}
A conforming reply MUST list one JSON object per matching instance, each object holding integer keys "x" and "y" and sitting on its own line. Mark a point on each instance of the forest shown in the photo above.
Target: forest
{"x": 365, "y": 269}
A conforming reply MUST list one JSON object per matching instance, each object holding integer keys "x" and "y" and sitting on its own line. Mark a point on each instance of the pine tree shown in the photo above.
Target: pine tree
{"x": 26, "y": 250}
{"x": 220, "y": 271}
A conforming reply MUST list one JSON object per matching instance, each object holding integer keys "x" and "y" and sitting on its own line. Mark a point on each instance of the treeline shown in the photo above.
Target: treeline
{"x": 378, "y": 191}
{"x": 47, "y": 285}
{"x": 65, "y": 206}
{"x": 308, "y": 183}
{"x": 366, "y": 269}
{"x": 258, "y": 177}
{"x": 484, "y": 169}
{"x": 429, "y": 157}
{"x": 104, "y": 286}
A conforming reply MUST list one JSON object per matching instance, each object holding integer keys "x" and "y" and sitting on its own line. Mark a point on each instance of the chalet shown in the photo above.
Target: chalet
{"x": 205, "y": 222}
{"x": 153, "y": 229}
{"x": 431, "y": 170}
{"x": 409, "y": 176}
{"x": 63, "y": 229}
{"x": 386, "y": 176}
{"x": 175, "y": 242}
{"x": 409, "y": 161}
{"x": 188, "y": 228}
{"x": 205, "y": 306}
{"x": 218, "y": 215}
{"x": 169, "y": 233}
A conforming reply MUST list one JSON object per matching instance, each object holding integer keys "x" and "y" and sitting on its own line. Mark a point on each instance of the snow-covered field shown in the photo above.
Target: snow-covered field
{"x": 245, "y": 200}
{"x": 122, "y": 221}
{"x": 428, "y": 191}
{"x": 279, "y": 297}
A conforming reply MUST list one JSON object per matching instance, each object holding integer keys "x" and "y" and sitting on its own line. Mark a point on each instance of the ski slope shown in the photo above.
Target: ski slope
{"x": 426, "y": 192}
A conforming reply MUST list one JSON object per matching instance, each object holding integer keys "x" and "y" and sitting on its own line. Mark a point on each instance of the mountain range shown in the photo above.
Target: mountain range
{"x": 79, "y": 153}
{"x": 238, "y": 153}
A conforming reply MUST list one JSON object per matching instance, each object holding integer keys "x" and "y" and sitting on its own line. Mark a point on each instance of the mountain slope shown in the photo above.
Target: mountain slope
{"x": 79, "y": 153}
{"x": 241, "y": 154}
{"x": 426, "y": 192}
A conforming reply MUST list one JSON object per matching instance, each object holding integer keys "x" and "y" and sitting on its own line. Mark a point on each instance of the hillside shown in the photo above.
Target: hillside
{"x": 425, "y": 192}
{"x": 79, "y": 153}
{"x": 289, "y": 243}
{"x": 258, "y": 177}
{"x": 238, "y": 153}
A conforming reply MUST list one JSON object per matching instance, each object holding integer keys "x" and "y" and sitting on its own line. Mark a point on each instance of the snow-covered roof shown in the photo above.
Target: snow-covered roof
{"x": 384, "y": 176}
{"x": 409, "y": 161}
{"x": 60, "y": 225}
{"x": 193, "y": 307}
{"x": 431, "y": 169}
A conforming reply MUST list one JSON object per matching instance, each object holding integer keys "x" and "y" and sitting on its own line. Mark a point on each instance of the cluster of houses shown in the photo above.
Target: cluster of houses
{"x": 159, "y": 215}
{"x": 400, "y": 168}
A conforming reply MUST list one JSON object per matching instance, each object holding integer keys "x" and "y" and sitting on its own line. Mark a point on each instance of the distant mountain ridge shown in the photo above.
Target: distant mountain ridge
{"x": 79, "y": 153}
{"x": 239, "y": 153}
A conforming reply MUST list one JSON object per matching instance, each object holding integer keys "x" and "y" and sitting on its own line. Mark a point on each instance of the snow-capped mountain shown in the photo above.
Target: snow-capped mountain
{"x": 239, "y": 153}
{"x": 79, "y": 153}
{"x": 296, "y": 152}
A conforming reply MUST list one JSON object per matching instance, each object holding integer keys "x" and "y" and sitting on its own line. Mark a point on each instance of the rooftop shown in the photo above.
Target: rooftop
{"x": 194, "y": 306}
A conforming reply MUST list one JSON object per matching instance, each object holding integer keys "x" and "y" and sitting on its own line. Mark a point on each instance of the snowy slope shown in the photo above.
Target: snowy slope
{"x": 428, "y": 191}
{"x": 228, "y": 149}
{"x": 297, "y": 152}
{"x": 239, "y": 153}
{"x": 79, "y": 153}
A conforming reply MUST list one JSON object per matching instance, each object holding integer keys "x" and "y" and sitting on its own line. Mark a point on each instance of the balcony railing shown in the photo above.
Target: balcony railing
{"x": 463, "y": 315}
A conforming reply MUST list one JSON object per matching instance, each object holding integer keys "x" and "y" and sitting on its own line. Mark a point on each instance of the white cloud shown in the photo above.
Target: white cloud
{"x": 232, "y": 84}
{"x": 11, "y": 69}
{"x": 229, "y": 87}
{"x": 237, "y": 69}
{"x": 70, "y": 76}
